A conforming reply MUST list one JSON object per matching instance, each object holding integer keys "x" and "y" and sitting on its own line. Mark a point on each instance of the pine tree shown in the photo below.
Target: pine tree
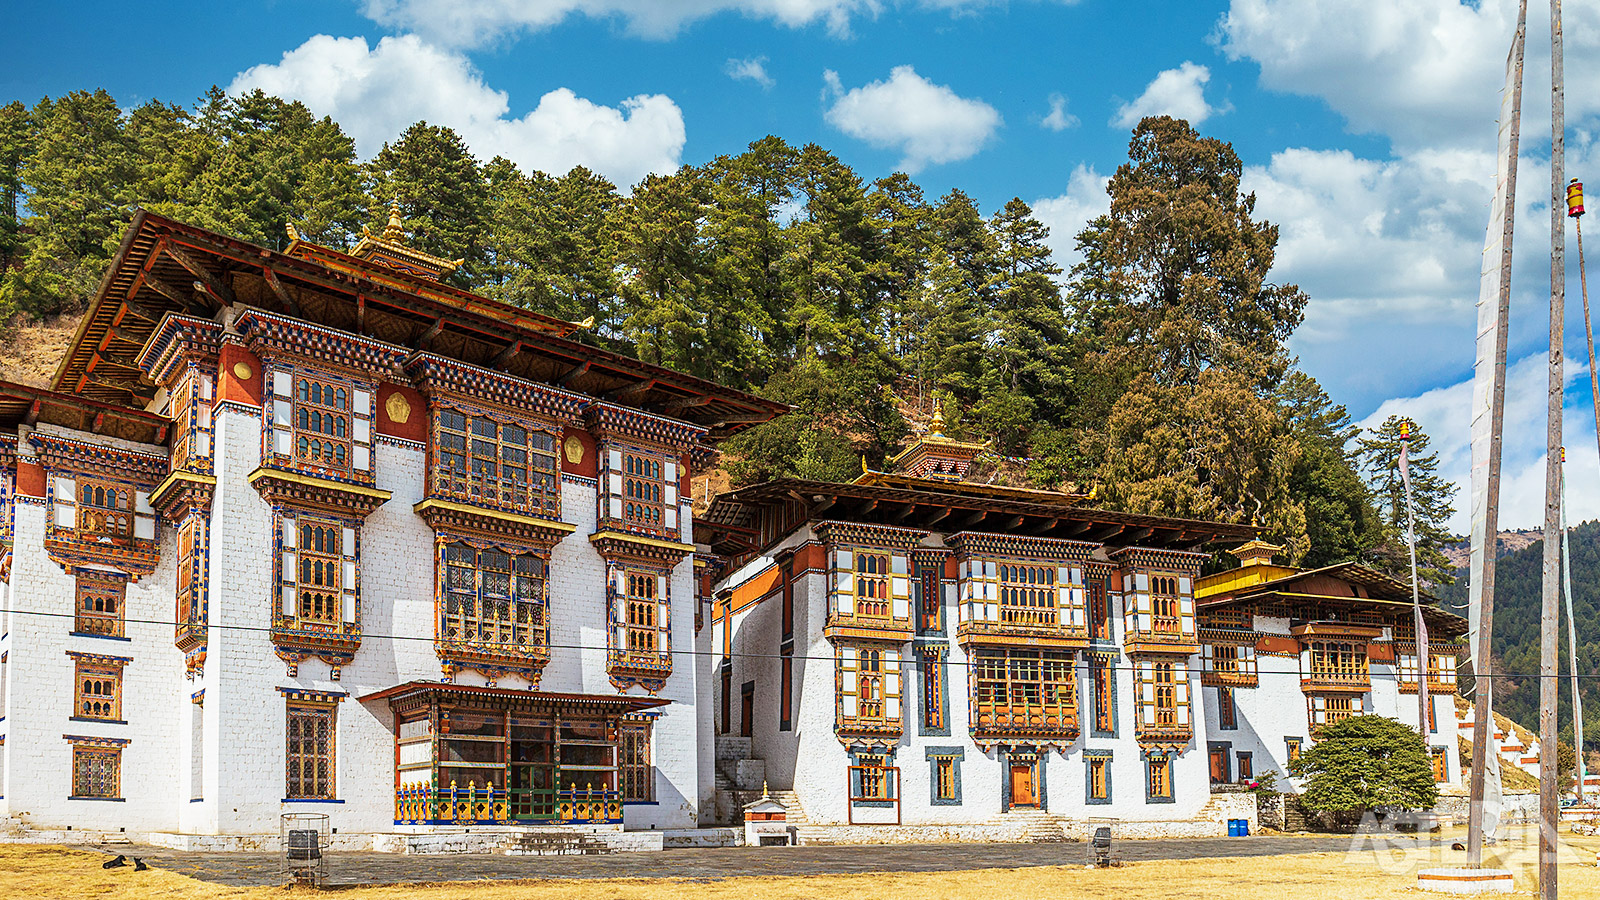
{"x": 15, "y": 139}
{"x": 1341, "y": 523}
{"x": 1431, "y": 497}
{"x": 1366, "y": 763}
{"x": 443, "y": 196}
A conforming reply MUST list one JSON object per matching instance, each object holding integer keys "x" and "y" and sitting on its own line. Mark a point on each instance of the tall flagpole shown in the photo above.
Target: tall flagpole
{"x": 1549, "y": 799}
{"x": 1572, "y": 629}
{"x": 1488, "y": 426}
{"x": 1423, "y": 656}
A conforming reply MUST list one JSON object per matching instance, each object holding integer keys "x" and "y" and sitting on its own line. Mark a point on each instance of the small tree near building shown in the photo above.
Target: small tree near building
{"x": 1366, "y": 763}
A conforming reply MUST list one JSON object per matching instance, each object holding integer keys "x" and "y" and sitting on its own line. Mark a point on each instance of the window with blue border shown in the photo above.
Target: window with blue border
{"x": 874, "y": 779}
{"x": 1227, "y": 712}
{"x": 1103, "y": 688}
{"x": 1158, "y": 777}
{"x": 1097, "y": 776}
{"x": 944, "y": 775}
{"x": 934, "y": 720}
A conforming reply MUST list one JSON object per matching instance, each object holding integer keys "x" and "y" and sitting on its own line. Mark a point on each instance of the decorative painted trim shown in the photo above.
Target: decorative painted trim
{"x": 494, "y": 524}
{"x": 402, "y": 443}
{"x": 1015, "y": 547}
{"x": 1012, "y": 756}
{"x": 941, "y": 672}
{"x": 1184, "y": 561}
{"x": 235, "y": 406}
{"x": 1112, "y": 658}
{"x": 65, "y": 455}
{"x": 84, "y": 740}
{"x": 1088, "y": 782}
{"x": 177, "y": 339}
{"x": 854, "y": 754}
{"x": 956, "y": 755}
{"x": 434, "y": 374}
{"x": 582, "y": 480}
{"x": 612, "y": 544}
{"x": 268, "y": 335}
{"x": 878, "y": 536}
{"x": 310, "y": 695}
{"x": 609, "y": 421}
{"x": 1149, "y": 755}
{"x": 281, "y": 486}
{"x": 96, "y": 659}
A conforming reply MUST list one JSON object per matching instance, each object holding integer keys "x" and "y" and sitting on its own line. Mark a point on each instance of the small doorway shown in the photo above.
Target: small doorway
{"x": 1022, "y": 786}
{"x": 747, "y": 708}
{"x": 1218, "y": 755}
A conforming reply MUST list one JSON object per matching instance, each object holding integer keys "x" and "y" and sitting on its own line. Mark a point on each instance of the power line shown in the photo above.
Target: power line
{"x": 257, "y": 629}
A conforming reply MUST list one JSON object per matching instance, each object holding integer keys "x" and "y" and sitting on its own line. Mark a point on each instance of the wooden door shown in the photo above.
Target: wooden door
{"x": 1219, "y": 765}
{"x": 747, "y": 709}
{"x": 1022, "y": 793}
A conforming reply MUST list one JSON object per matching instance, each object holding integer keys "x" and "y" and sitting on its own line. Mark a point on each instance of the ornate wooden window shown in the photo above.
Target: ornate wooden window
{"x": 317, "y": 571}
{"x": 933, "y": 690}
{"x": 493, "y": 599}
{"x": 1158, "y": 778}
{"x": 1163, "y": 696}
{"x": 635, "y": 772}
{"x": 97, "y": 689}
{"x": 487, "y": 461}
{"x": 639, "y": 641}
{"x": 321, "y": 423}
{"x": 1036, "y": 690}
{"x": 1227, "y": 713}
{"x": 872, "y": 584}
{"x": 1325, "y": 710}
{"x": 1027, "y": 594}
{"x": 1247, "y": 766}
{"x": 1099, "y": 610}
{"x": 105, "y": 508}
{"x": 1164, "y": 605}
{"x": 98, "y": 607}
{"x": 1335, "y": 663}
{"x": 1229, "y": 664}
{"x": 1291, "y": 746}
{"x": 868, "y": 685}
{"x": 639, "y": 491}
{"x": 1441, "y": 669}
{"x": 944, "y": 778}
{"x": 872, "y": 778}
{"x": 96, "y": 771}
{"x": 309, "y": 755}
{"x": 1103, "y": 674}
{"x": 642, "y": 608}
{"x": 1098, "y": 789}
{"x": 190, "y": 412}
{"x": 1441, "y": 769}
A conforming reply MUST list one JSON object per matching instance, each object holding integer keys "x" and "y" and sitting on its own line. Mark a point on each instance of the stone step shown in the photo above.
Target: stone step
{"x": 554, "y": 843}
{"x": 795, "y": 812}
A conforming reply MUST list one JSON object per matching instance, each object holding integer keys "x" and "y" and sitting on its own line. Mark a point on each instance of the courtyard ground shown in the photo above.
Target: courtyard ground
{"x": 1377, "y": 867}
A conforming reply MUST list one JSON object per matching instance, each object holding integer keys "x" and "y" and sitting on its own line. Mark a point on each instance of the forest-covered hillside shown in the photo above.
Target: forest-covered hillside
{"x": 1519, "y": 579}
{"x": 1154, "y": 372}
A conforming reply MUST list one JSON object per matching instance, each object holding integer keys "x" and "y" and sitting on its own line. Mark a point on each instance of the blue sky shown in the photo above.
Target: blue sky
{"x": 1366, "y": 128}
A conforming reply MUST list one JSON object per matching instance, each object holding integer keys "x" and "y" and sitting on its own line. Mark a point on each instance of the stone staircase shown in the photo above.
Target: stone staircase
{"x": 1038, "y": 826}
{"x": 738, "y": 777}
{"x": 795, "y": 813}
{"x": 554, "y": 843}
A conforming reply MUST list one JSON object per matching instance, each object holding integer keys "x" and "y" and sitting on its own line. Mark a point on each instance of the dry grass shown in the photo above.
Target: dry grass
{"x": 32, "y": 350}
{"x": 1371, "y": 873}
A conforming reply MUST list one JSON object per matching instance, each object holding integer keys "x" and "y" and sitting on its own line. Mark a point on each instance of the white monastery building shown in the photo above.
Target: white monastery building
{"x": 315, "y": 531}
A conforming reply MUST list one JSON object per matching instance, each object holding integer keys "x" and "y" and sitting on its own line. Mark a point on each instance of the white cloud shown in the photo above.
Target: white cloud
{"x": 474, "y": 22}
{"x": 752, "y": 69}
{"x": 1445, "y": 415}
{"x": 1422, "y": 72}
{"x": 1066, "y": 215}
{"x": 375, "y": 93}
{"x": 927, "y": 122}
{"x": 1179, "y": 93}
{"x": 1058, "y": 119}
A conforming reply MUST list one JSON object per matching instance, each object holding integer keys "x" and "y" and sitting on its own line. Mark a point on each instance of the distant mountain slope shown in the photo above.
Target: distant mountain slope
{"x": 1518, "y": 587}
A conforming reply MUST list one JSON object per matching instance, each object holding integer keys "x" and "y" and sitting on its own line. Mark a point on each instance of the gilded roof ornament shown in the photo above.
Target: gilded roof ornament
{"x": 390, "y": 249}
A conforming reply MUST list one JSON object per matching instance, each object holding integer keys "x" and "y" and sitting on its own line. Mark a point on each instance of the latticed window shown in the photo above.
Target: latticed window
{"x": 1159, "y": 777}
{"x": 1031, "y": 688}
{"x": 1027, "y": 594}
{"x": 1326, "y": 710}
{"x": 493, "y": 597}
{"x": 1164, "y": 605}
{"x": 1099, "y": 610}
{"x": 1227, "y": 713}
{"x": 869, "y": 681}
{"x": 99, "y": 692}
{"x": 1099, "y": 787}
{"x": 105, "y": 507}
{"x": 321, "y": 562}
{"x": 317, "y": 571}
{"x": 933, "y": 686}
{"x": 642, "y": 491}
{"x": 1105, "y": 684}
{"x": 944, "y": 775}
{"x": 309, "y": 767}
{"x": 635, "y": 771}
{"x": 1166, "y": 694}
{"x": 97, "y": 772}
{"x": 1337, "y": 661}
{"x": 99, "y": 606}
{"x": 1163, "y": 695}
{"x": 872, "y": 584}
{"x": 641, "y": 607}
{"x": 872, "y": 777}
{"x": 483, "y": 460}
{"x": 322, "y": 424}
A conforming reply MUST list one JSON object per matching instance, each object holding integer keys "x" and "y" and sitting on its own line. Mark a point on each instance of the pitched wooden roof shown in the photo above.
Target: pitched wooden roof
{"x": 21, "y": 404}
{"x": 166, "y": 266}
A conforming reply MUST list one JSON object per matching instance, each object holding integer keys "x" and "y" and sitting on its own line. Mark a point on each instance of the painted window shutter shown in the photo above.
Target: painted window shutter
{"x": 1180, "y": 674}
{"x": 66, "y": 495}
{"x": 847, "y": 682}
{"x": 291, "y": 566}
{"x": 891, "y": 685}
{"x": 1186, "y": 612}
{"x": 900, "y": 586}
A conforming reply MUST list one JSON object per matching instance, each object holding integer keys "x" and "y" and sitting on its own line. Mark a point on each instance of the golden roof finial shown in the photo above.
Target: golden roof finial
{"x": 294, "y": 233}
{"x": 863, "y": 464}
{"x": 395, "y": 231}
{"x": 937, "y": 427}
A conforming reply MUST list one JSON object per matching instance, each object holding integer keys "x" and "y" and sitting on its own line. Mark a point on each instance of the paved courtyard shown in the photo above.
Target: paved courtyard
{"x": 249, "y": 869}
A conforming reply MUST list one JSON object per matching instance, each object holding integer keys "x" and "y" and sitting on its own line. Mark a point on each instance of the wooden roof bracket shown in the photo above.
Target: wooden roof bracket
{"x": 282, "y": 293}
{"x": 221, "y": 291}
